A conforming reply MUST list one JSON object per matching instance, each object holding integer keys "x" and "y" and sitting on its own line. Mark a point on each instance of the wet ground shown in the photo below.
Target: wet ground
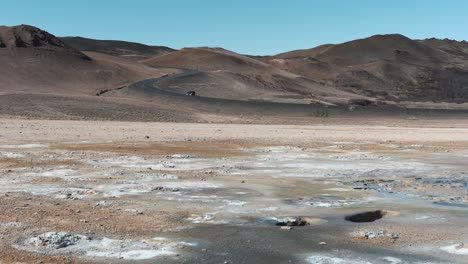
{"x": 225, "y": 202}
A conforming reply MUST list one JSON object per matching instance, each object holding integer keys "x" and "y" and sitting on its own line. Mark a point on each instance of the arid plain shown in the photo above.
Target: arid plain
{"x": 121, "y": 192}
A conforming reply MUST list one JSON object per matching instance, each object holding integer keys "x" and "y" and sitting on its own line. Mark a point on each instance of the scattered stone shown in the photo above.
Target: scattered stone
{"x": 135, "y": 211}
{"x": 286, "y": 228}
{"x": 168, "y": 165}
{"x": 323, "y": 243}
{"x": 325, "y": 200}
{"x": 56, "y": 240}
{"x": 369, "y": 235}
{"x": 75, "y": 194}
{"x": 208, "y": 218}
{"x": 11, "y": 225}
{"x": 458, "y": 249}
{"x": 63, "y": 243}
{"x": 180, "y": 156}
{"x": 165, "y": 189}
{"x": 292, "y": 221}
{"x": 102, "y": 204}
{"x": 358, "y": 157}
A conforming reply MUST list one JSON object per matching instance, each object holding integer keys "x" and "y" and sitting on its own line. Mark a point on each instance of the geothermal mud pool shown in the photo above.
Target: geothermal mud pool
{"x": 182, "y": 202}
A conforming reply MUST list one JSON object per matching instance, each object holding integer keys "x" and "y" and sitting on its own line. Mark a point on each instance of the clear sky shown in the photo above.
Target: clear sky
{"x": 245, "y": 26}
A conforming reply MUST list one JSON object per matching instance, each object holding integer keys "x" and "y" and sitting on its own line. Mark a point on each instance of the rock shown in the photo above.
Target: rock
{"x": 102, "y": 204}
{"x": 286, "y": 228}
{"x": 292, "y": 221}
{"x": 11, "y": 225}
{"x": 323, "y": 243}
{"x": 56, "y": 240}
{"x": 369, "y": 235}
{"x": 461, "y": 246}
{"x": 180, "y": 156}
{"x": 135, "y": 211}
{"x": 168, "y": 165}
{"x": 164, "y": 189}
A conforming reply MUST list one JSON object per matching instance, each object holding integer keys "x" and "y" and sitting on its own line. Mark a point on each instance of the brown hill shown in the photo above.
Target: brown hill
{"x": 34, "y": 61}
{"x": 385, "y": 67}
{"x": 30, "y": 37}
{"x": 224, "y": 74}
{"x": 124, "y": 49}
{"x": 207, "y": 59}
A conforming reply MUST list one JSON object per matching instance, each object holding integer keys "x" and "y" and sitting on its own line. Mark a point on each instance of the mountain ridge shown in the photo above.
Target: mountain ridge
{"x": 116, "y": 47}
{"x": 381, "y": 68}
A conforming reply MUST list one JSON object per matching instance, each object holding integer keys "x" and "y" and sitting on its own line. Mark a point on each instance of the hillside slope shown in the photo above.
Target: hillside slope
{"x": 389, "y": 67}
{"x": 224, "y": 74}
{"x": 34, "y": 61}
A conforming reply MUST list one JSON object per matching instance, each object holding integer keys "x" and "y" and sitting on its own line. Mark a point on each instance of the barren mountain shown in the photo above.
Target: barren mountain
{"x": 44, "y": 77}
{"x": 34, "y": 61}
{"x": 131, "y": 50}
{"x": 386, "y": 66}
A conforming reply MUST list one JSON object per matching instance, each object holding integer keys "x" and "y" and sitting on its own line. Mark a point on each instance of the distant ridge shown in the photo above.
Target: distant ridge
{"x": 116, "y": 47}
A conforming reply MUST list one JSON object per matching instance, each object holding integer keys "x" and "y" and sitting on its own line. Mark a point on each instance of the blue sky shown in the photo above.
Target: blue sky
{"x": 245, "y": 26}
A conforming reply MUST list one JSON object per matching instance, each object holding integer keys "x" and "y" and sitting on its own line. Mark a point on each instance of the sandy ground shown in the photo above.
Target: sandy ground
{"x": 22, "y": 131}
{"x": 123, "y": 192}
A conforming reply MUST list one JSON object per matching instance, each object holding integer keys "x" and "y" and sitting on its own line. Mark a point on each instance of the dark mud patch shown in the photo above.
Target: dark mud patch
{"x": 366, "y": 217}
